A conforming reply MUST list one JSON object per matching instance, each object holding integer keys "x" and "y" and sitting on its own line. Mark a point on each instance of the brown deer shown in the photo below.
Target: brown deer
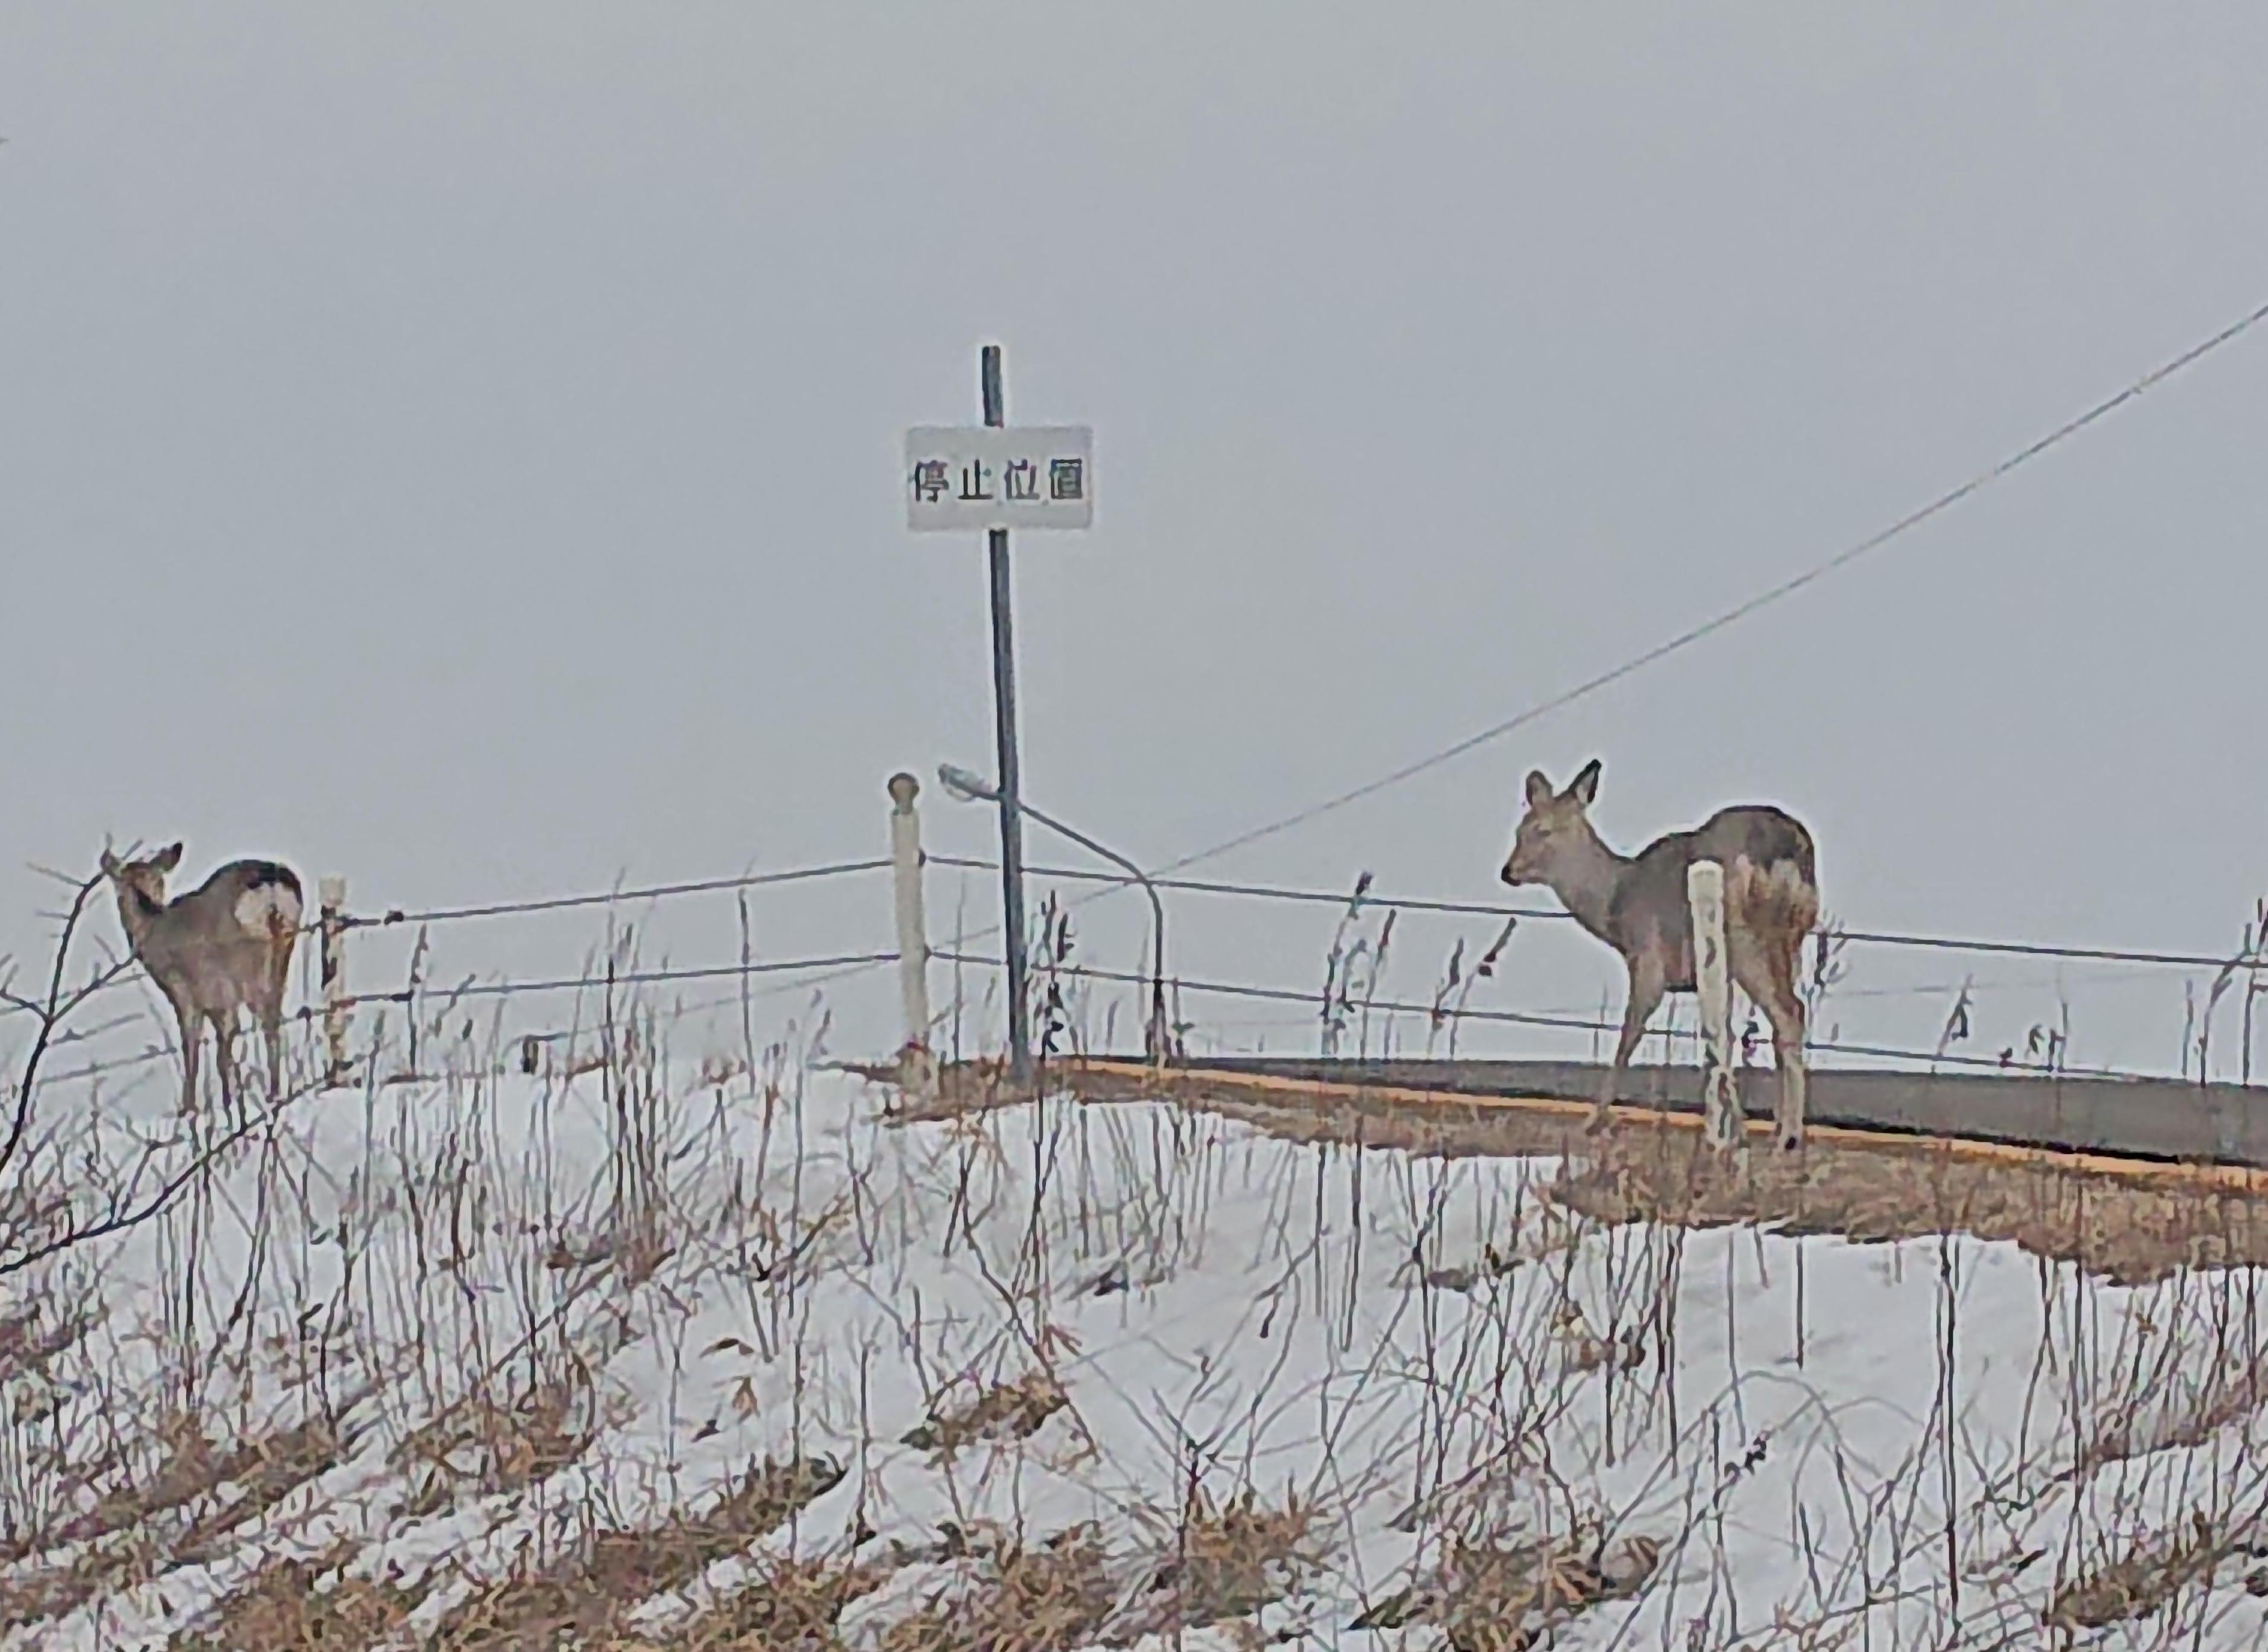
{"x": 222, "y": 947}
{"x": 1637, "y": 905}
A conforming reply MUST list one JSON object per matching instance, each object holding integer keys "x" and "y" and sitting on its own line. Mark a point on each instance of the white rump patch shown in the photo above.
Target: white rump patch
{"x": 270, "y": 906}
{"x": 1789, "y": 881}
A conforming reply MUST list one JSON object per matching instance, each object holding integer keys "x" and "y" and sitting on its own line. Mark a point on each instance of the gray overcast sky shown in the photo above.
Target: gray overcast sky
{"x": 458, "y": 445}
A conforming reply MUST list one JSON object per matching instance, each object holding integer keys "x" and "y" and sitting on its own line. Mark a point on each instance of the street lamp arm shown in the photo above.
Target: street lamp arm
{"x": 1159, "y": 1033}
{"x": 974, "y": 788}
{"x": 1087, "y": 843}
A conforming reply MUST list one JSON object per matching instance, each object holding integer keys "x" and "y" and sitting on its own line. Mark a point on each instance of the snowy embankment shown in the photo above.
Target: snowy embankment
{"x": 649, "y": 1358}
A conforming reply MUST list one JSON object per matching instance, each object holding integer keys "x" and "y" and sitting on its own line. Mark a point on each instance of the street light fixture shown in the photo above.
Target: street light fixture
{"x": 1157, "y": 1039}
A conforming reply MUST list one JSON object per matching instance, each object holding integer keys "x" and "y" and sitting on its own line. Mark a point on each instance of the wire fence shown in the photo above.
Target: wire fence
{"x": 617, "y": 897}
{"x": 844, "y": 962}
{"x": 1443, "y": 1016}
{"x": 1370, "y": 897}
{"x": 812, "y": 972}
{"x": 1364, "y": 896}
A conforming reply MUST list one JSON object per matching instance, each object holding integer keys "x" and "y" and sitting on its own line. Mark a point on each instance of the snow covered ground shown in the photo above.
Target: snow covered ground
{"x": 634, "y": 1358}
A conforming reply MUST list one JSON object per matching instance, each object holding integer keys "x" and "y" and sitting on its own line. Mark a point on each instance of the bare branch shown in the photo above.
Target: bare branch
{"x": 121, "y": 1221}
{"x": 51, "y": 1010}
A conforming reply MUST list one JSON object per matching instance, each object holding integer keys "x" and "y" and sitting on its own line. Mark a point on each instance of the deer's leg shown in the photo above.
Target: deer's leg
{"x": 191, "y": 1032}
{"x": 1766, "y": 968}
{"x": 223, "y": 1026}
{"x": 1647, "y": 983}
{"x": 271, "y": 1024}
{"x": 270, "y": 1012}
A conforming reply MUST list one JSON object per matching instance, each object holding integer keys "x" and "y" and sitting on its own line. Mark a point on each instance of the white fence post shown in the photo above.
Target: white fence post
{"x": 1721, "y": 1102}
{"x": 335, "y": 1007}
{"x": 917, "y": 1066}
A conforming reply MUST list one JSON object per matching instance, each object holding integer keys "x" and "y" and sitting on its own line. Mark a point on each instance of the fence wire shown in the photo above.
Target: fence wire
{"x": 1443, "y": 1016}
{"x": 621, "y": 977}
{"x": 614, "y": 898}
{"x": 1370, "y": 897}
{"x": 815, "y": 971}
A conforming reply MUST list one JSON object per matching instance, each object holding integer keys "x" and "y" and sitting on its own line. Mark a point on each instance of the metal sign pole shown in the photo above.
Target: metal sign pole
{"x": 989, "y": 477}
{"x": 1011, "y": 821}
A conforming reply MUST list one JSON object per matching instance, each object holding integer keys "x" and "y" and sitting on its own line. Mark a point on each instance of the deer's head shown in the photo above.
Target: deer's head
{"x": 1554, "y": 827}
{"x": 143, "y": 880}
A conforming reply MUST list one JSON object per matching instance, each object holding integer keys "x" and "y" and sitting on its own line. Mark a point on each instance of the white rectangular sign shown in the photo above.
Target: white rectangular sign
{"x": 975, "y": 477}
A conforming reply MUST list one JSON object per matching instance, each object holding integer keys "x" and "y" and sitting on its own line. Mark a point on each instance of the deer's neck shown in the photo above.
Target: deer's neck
{"x": 1585, "y": 880}
{"x": 136, "y": 911}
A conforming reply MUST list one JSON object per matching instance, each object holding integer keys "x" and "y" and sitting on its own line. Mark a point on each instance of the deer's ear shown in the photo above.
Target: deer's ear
{"x": 166, "y": 859}
{"x": 1539, "y": 789}
{"x": 1585, "y": 787}
{"x": 109, "y": 864}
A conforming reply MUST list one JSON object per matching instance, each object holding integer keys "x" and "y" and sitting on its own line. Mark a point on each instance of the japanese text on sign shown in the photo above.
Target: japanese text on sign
{"x": 978, "y": 476}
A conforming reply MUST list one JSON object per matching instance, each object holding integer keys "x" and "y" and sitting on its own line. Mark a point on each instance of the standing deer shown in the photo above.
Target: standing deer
{"x": 222, "y": 947}
{"x": 1637, "y": 905}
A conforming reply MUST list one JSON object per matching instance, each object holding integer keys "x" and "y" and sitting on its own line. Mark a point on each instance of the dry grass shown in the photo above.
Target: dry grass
{"x": 1218, "y": 1564}
{"x": 1496, "y": 1596}
{"x": 789, "y": 1605}
{"x": 265, "y": 1469}
{"x": 2141, "y": 1581}
{"x": 50, "y": 1591}
{"x": 589, "y": 1593}
{"x": 1008, "y": 1410}
{"x": 1049, "y": 1597}
{"x": 2128, "y": 1231}
{"x": 1227, "y": 1563}
{"x": 28, "y": 1347}
{"x": 493, "y": 1444}
{"x": 125, "y": 1538}
{"x": 304, "y": 1605}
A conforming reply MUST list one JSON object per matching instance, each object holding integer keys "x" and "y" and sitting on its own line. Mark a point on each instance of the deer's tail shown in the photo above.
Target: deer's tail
{"x": 1774, "y": 885}
{"x": 271, "y": 907}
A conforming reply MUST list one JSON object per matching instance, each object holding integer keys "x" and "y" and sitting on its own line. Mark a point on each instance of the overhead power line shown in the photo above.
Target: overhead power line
{"x": 1733, "y": 616}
